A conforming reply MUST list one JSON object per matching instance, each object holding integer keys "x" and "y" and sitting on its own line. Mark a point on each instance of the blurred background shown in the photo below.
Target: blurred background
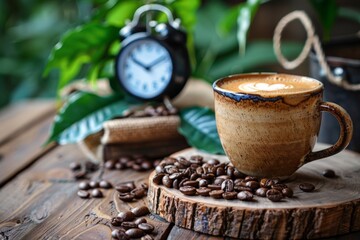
{"x": 31, "y": 28}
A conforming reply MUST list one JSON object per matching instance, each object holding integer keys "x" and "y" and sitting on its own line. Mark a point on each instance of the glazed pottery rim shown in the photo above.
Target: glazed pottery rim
{"x": 218, "y": 89}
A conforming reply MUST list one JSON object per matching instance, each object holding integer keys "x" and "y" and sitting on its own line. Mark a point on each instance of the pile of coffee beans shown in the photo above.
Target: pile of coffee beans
{"x": 128, "y": 192}
{"x": 89, "y": 189}
{"x": 136, "y": 162}
{"x": 218, "y": 180}
{"x": 132, "y": 224}
{"x": 80, "y": 170}
{"x": 150, "y": 111}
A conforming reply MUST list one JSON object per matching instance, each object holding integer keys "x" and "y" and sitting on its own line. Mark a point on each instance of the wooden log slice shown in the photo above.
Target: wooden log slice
{"x": 332, "y": 209}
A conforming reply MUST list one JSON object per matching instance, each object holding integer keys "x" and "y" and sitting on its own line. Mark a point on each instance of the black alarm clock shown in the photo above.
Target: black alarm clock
{"x": 153, "y": 62}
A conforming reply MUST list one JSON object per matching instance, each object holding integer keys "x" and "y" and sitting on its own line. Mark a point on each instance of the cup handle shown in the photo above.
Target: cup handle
{"x": 346, "y": 131}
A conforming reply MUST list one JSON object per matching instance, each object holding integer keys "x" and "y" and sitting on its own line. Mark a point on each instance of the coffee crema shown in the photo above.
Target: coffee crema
{"x": 271, "y": 85}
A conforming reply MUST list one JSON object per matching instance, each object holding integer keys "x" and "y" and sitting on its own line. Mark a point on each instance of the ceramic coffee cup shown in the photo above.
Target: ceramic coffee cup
{"x": 268, "y": 123}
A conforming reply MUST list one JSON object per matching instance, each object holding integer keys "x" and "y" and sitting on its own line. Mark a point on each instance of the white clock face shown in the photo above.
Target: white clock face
{"x": 145, "y": 68}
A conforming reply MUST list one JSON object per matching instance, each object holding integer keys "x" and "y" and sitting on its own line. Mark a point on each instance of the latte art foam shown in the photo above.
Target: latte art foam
{"x": 270, "y": 84}
{"x": 260, "y": 86}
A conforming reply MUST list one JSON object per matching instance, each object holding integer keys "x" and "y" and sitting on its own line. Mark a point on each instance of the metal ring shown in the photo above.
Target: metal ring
{"x": 152, "y": 7}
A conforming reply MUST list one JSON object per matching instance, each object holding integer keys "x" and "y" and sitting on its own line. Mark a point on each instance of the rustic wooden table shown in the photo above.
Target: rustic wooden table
{"x": 38, "y": 194}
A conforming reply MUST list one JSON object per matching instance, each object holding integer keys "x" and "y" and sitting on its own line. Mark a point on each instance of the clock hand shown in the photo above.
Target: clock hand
{"x": 157, "y": 61}
{"x": 139, "y": 63}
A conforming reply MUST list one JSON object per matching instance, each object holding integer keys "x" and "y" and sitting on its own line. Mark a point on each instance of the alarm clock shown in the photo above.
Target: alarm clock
{"x": 153, "y": 62}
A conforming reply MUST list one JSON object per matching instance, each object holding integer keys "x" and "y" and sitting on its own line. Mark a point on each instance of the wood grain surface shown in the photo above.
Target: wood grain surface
{"x": 38, "y": 193}
{"x": 332, "y": 209}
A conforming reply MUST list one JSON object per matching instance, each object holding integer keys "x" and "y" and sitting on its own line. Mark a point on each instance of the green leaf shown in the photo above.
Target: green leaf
{"x": 121, "y": 12}
{"x": 84, "y": 114}
{"x": 327, "y": 11}
{"x": 247, "y": 12}
{"x": 198, "y": 126}
{"x": 228, "y": 22}
{"x": 349, "y": 13}
{"x": 84, "y": 44}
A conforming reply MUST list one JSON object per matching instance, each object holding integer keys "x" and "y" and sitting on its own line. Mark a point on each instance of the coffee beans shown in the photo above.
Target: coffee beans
{"x": 105, "y": 184}
{"x": 116, "y": 221}
{"x": 274, "y": 195}
{"x": 96, "y": 193}
{"x": 146, "y": 227}
{"x": 84, "y": 186}
{"x": 329, "y": 173}
{"x": 129, "y": 192}
{"x": 188, "y": 190}
{"x": 135, "y": 233}
{"x": 307, "y": 187}
{"x": 127, "y": 216}
{"x": 126, "y": 197}
{"x": 137, "y": 163}
{"x": 245, "y": 196}
{"x": 128, "y": 225}
{"x": 119, "y": 234}
{"x": 140, "y": 211}
{"x": 196, "y": 176}
{"x": 83, "y": 194}
{"x": 140, "y": 220}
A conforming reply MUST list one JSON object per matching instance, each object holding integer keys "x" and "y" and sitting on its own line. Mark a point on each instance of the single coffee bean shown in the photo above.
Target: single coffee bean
{"x": 238, "y": 174}
{"x": 176, "y": 183}
{"x": 194, "y": 176}
{"x": 245, "y": 196}
{"x": 279, "y": 186}
{"x": 94, "y": 184}
{"x": 188, "y": 190}
{"x": 159, "y": 169}
{"x": 191, "y": 183}
{"x": 329, "y": 173}
{"x": 182, "y": 182}
{"x": 252, "y": 184}
{"x": 203, "y": 183}
{"x": 138, "y": 193}
{"x": 83, "y": 194}
{"x": 251, "y": 178}
{"x": 146, "y": 227}
{"x": 140, "y": 211}
{"x": 167, "y": 182}
{"x": 218, "y": 181}
{"x": 240, "y": 188}
{"x": 105, "y": 184}
{"x": 274, "y": 195}
{"x": 239, "y": 181}
{"x": 127, "y": 216}
{"x": 227, "y": 185}
{"x": 184, "y": 162}
{"x": 200, "y": 170}
{"x": 158, "y": 178}
{"x": 197, "y": 159}
{"x": 96, "y": 193}
{"x": 110, "y": 164}
{"x": 203, "y": 191}
{"x": 140, "y": 220}
{"x": 230, "y": 171}
{"x": 217, "y": 194}
{"x": 74, "y": 166}
{"x": 214, "y": 187}
{"x": 170, "y": 169}
{"x": 223, "y": 177}
{"x": 119, "y": 234}
{"x": 116, "y": 221}
{"x": 84, "y": 186}
{"x": 261, "y": 192}
{"x": 121, "y": 188}
{"x": 175, "y": 176}
{"x": 187, "y": 173}
{"x": 130, "y": 163}
{"x": 229, "y": 195}
{"x": 287, "y": 192}
{"x": 128, "y": 225}
{"x": 307, "y": 187}
{"x": 220, "y": 171}
{"x": 213, "y": 161}
{"x": 126, "y": 197}
{"x": 147, "y": 237}
{"x": 135, "y": 232}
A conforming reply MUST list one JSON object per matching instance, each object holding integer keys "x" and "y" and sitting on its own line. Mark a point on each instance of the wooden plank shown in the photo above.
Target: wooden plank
{"x": 20, "y": 116}
{"x": 178, "y": 233}
{"x": 23, "y": 150}
{"x": 41, "y": 202}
